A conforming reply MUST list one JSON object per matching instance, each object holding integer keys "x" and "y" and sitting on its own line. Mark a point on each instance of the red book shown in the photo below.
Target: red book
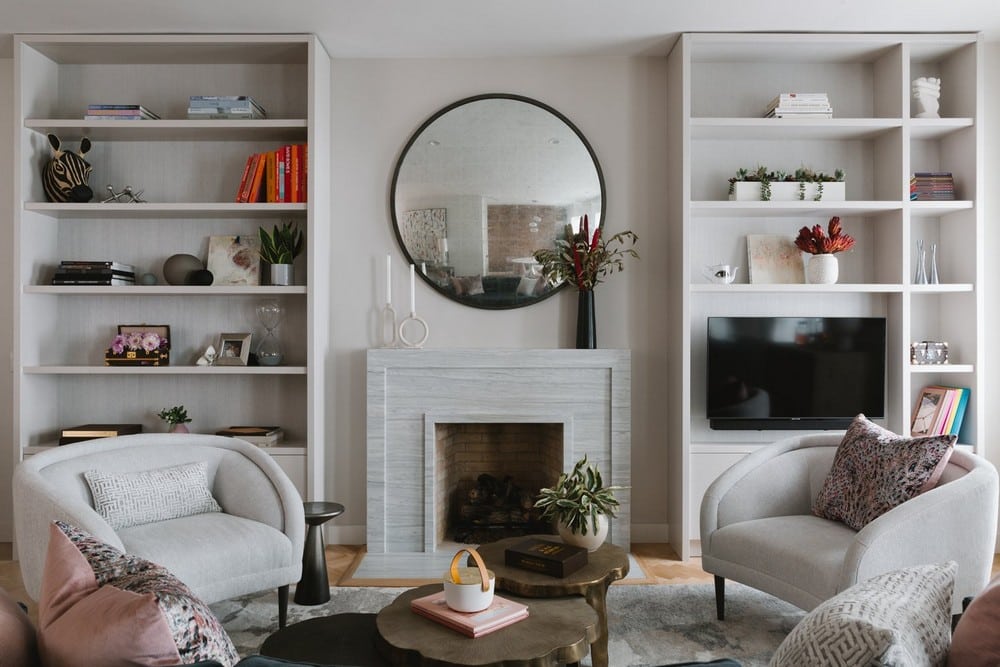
{"x": 501, "y": 613}
{"x": 254, "y": 192}
{"x": 248, "y": 183}
{"x": 271, "y": 179}
{"x": 286, "y": 156}
{"x": 304, "y": 173}
{"x": 243, "y": 180}
{"x": 296, "y": 156}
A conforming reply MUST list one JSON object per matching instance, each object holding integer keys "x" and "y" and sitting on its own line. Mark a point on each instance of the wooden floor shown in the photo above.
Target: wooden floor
{"x": 658, "y": 562}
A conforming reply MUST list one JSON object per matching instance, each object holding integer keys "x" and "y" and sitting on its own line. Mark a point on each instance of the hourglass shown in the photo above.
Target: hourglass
{"x": 269, "y": 314}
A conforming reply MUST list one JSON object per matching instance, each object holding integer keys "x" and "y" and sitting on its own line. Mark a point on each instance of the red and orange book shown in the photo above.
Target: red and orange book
{"x": 501, "y": 613}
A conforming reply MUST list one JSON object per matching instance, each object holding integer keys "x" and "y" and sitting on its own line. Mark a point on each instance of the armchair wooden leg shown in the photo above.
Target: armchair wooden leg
{"x": 720, "y": 597}
{"x": 282, "y": 605}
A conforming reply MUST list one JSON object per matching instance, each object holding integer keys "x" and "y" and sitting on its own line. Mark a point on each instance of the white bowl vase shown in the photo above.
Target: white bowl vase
{"x": 594, "y": 538}
{"x": 822, "y": 269}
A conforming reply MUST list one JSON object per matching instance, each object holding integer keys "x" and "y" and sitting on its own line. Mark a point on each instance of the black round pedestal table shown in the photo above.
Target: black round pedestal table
{"x": 314, "y": 586}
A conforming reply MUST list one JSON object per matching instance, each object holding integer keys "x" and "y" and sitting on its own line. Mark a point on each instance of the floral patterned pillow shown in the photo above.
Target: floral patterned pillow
{"x": 875, "y": 470}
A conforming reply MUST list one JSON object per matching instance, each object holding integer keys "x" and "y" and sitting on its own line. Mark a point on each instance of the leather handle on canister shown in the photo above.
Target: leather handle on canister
{"x": 479, "y": 563}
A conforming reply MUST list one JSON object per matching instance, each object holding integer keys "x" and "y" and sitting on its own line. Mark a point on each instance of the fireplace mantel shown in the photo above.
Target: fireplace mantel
{"x": 409, "y": 391}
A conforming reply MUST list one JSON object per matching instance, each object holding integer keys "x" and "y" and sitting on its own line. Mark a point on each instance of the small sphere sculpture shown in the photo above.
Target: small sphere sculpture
{"x": 178, "y": 267}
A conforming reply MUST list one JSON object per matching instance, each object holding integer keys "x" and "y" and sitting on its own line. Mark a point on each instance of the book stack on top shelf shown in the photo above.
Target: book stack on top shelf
{"x": 225, "y": 107}
{"x": 262, "y": 436}
{"x": 93, "y": 431}
{"x": 799, "y": 105}
{"x": 99, "y": 272}
{"x": 501, "y": 613}
{"x": 278, "y": 176}
{"x": 119, "y": 112}
{"x": 932, "y": 186}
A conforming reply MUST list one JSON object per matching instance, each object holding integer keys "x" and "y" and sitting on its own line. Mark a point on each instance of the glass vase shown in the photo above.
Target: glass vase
{"x": 932, "y": 273}
{"x": 920, "y": 275}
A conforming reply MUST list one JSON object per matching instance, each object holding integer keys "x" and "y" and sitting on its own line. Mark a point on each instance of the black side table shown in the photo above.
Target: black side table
{"x": 314, "y": 586}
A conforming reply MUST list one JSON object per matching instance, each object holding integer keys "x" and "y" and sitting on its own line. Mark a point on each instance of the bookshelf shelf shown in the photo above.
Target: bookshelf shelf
{"x": 719, "y": 87}
{"x": 189, "y": 171}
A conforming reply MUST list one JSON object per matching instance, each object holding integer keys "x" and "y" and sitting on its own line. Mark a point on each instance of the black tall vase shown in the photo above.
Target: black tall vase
{"x": 586, "y": 323}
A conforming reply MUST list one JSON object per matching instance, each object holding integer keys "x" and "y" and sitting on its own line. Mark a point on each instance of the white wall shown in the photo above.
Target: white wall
{"x": 991, "y": 211}
{"x": 6, "y": 294}
{"x": 617, "y": 103}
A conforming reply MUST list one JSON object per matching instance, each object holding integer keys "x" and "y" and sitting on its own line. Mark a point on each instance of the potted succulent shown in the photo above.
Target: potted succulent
{"x": 803, "y": 184}
{"x": 177, "y": 417}
{"x": 580, "y": 505}
{"x": 279, "y": 248}
{"x": 584, "y": 260}
{"x": 823, "y": 267}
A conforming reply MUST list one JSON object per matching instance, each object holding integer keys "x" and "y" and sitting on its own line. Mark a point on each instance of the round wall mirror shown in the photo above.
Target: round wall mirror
{"x": 482, "y": 185}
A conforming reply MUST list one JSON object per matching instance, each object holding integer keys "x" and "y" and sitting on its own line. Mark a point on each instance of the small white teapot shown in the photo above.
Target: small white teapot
{"x": 722, "y": 274}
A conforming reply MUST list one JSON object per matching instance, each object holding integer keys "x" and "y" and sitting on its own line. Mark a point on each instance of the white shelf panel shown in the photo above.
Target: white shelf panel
{"x": 743, "y": 288}
{"x": 786, "y": 129}
{"x": 164, "y": 370}
{"x": 165, "y": 290}
{"x": 267, "y": 129}
{"x": 933, "y": 209}
{"x": 773, "y": 209}
{"x": 942, "y": 288}
{"x": 159, "y": 210}
{"x": 935, "y": 128}
{"x": 918, "y": 369}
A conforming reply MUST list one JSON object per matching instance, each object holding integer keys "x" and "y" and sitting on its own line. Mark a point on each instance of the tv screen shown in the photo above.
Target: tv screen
{"x": 794, "y": 372}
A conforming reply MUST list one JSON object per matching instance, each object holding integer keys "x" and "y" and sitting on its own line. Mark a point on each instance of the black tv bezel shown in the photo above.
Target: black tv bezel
{"x": 793, "y": 423}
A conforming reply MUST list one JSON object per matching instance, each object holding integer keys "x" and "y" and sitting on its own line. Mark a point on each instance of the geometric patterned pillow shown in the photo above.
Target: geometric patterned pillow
{"x": 875, "y": 470}
{"x": 135, "y": 498}
{"x": 898, "y": 618}
{"x": 100, "y": 606}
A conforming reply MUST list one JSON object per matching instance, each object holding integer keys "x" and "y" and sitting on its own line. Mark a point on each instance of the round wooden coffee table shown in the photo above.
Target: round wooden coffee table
{"x": 604, "y": 566}
{"x": 558, "y": 631}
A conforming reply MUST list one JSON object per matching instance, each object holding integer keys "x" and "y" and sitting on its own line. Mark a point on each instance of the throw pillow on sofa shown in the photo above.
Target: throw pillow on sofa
{"x": 897, "y": 618}
{"x": 102, "y": 607}
{"x": 875, "y": 470}
{"x": 976, "y": 641}
{"x": 18, "y": 645}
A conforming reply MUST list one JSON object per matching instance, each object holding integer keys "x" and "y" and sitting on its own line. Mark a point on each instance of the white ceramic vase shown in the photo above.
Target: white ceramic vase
{"x": 594, "y": 538}
{"x": 822, "y": 269}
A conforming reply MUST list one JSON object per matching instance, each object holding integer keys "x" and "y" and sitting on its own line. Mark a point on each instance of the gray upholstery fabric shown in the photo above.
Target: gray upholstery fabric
{"x": 248, "y": 484}
{"x": 785, "y": 551}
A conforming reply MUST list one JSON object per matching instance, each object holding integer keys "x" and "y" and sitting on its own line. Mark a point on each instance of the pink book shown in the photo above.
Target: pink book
{"x": 501, "y": 613}
{"x": 947, "y": 405}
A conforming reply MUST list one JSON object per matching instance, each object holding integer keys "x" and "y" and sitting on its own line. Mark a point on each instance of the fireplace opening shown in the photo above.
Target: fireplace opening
{"x": 487, "y": 477}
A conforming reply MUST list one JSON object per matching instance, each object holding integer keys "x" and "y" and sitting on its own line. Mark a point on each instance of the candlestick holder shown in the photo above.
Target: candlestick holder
{"x": 388, "y": 332}
{"x": 407, "y": 342}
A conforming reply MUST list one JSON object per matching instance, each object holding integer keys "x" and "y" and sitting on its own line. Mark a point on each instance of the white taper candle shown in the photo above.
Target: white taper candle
{"x": 413, "y": 290}
{"x": 388, "y": 279}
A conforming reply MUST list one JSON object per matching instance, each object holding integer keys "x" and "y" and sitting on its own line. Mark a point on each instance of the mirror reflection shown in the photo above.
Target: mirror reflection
{"x": 484, "y": 183}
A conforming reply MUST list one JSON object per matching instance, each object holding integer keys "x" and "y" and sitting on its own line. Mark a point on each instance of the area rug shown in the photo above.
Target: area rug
{"x": 647, "y": 625}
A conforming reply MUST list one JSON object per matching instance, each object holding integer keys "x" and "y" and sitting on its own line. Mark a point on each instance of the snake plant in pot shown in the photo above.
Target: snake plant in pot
{"x": 580, "y": 505}
{"x": 279, "y": 248}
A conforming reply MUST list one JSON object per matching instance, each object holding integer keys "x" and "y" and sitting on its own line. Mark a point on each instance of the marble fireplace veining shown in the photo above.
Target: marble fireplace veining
{"x": 412, "y": 391}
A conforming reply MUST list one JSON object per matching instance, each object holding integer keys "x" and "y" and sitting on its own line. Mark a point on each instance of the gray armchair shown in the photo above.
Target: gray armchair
{"x": 253, "y": 544}
{"x": 757, "y": 527}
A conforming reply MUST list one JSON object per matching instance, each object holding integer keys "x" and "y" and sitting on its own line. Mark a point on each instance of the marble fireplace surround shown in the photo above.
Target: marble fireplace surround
{"x": 411, "y": 391}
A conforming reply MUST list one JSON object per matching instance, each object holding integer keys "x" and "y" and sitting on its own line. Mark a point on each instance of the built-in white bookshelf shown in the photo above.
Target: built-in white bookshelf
{"x": 720, "y": 85}
{"x": 189, "y": 171}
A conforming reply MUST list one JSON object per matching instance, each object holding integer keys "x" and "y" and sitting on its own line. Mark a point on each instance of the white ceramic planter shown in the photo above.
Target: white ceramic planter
{"x": 750, "y": 191}
{"x": 594, "y": 538}
{"x": 822, "y": 269}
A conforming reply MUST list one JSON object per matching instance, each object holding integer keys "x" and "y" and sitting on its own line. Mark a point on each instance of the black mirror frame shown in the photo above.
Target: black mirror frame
{"x": 405, "y": 150}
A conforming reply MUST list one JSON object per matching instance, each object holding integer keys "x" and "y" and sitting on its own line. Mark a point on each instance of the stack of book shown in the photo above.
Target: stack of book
{"x": 555, "y": 559}
{"x": 262, "y": 436}
{"x": 92, "y": 431}
{"x": 119, "y": 112}
{"x": 278, "y": 176}
{"x": 932, "y": 186}
{"x": 799, "y": 105}
{"x": 101, "y": 272}
{"x": 501, "y": 613}
{"x": 948, "y": 404}
{"x": 202, "y": 107}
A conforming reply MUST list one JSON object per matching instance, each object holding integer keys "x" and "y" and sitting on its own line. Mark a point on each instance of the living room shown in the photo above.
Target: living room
{"x": 606, "y": 70}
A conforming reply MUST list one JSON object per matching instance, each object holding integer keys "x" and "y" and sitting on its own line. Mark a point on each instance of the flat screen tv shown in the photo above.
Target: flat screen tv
{"x": 794, "y": 372}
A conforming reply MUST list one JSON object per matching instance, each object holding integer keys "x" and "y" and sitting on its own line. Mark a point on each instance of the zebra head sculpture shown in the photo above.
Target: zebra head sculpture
{"x": 65, "y": 175}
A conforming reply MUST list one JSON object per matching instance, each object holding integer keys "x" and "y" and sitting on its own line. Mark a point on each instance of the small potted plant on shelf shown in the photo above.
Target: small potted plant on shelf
{"x": 279, "y": 248}
{"x": 177, "y": 417}
{"x": 823, "y": 267}
{"x": 803, "y": 184}
{"x": 580, "y": 505}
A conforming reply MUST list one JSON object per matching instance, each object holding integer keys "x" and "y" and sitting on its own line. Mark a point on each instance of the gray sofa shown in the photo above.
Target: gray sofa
{"x": 757, "y": 527}
{"x": 255, "y": 543}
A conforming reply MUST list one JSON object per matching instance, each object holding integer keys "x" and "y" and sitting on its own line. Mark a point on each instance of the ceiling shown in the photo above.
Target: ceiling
{"x": 492, "y": 28}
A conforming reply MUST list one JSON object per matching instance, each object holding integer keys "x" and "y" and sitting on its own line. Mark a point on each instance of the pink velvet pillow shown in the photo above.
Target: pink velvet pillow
{"x": 100, "y": 606}
{"x": 18, "y": 645}
{"x": 875, "y": 470}
{"x": 976, "y": 641}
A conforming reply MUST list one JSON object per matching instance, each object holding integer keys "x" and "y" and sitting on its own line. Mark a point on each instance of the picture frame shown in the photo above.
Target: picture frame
{"x": 234, "y": 349}
{"x": 234, "y": 260}
{"x": 929, "y": 404}
{"x": 138, "y": 356}
{"x": 774, "y": 260}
